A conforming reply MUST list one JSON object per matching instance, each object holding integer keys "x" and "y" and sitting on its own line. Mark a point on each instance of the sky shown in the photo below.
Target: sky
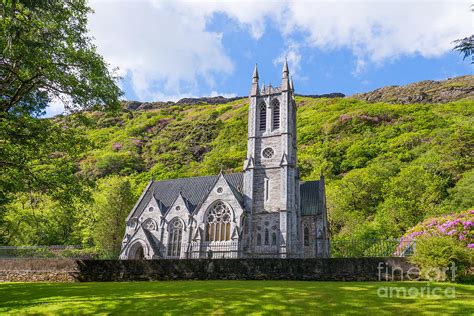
{"x": 166, "y": 50}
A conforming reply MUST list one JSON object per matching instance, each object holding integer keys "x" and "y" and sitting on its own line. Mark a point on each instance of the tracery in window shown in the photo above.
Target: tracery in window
{"x": 268, "y": 153}
{"x": 276, "y": 114}
{"x": 149, "y": 224}
{"x": 259, "y": 239}
{"x": 263, "y": 117}
{"x": 274, "y": 239}
{"x": 175, "y": 237}
{"x": 218, "y": 221}
{"x": 267, "y": 241}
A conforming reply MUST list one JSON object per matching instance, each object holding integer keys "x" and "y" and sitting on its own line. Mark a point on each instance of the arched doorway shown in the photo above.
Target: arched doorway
{"x": 136, "y": 252}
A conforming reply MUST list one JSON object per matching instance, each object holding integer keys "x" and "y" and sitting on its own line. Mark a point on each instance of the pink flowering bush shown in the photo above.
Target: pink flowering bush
{"x": 458, "y": 226}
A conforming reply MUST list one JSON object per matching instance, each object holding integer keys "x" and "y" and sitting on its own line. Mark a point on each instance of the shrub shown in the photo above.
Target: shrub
{"x": 459, "y": 227}
{"x": 436, "y": 256}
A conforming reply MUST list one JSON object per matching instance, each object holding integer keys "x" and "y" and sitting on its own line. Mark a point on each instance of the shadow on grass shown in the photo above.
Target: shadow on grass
{"x": 235, "y": 297}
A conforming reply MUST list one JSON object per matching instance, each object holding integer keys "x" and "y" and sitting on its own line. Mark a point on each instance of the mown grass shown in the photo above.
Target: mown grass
{"x": 231, "y": 297}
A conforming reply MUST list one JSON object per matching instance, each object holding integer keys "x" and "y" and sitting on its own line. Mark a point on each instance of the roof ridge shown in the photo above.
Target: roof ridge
{"x": 198, "y": 177}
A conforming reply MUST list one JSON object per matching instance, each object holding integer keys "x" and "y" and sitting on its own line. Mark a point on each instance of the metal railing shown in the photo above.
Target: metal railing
{"x": 350, "y": 248}
{"x": 336, "y": 248}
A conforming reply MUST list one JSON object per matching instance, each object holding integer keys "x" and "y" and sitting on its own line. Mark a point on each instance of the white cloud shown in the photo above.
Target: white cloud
{"x": 165, "y": 50}
{"x": 55, "y": 107}
{"x": 159, "y": 46}
{"x": 379, "y": 30}
{"x": 293, "y": 56}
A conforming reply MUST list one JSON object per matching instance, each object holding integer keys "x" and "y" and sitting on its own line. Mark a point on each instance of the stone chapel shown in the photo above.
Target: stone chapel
{"x": 263, "y": 211}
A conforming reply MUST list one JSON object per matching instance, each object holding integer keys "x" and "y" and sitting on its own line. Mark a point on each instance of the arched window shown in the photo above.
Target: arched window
{"x": 267, "y": 237}
{"x": 306, "y": 236}
{"x": 175, "y": 237}
{"x": 218, "y": 222}
{"x": 259, "y": 239}
{"x": 276, "y": 114}
{"x": 263, "y": 117}
{"x": 274, "y": 239}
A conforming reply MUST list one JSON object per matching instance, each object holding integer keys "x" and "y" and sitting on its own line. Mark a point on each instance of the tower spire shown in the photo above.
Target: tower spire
{"x": 285, "y": 81}
{"x": 285, "y": 69}
{"x": 254, "y": 90}
{"x": 255, "y": 75}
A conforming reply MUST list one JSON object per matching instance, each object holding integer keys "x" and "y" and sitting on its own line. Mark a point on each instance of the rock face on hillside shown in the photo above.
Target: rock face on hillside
{"x": 136, "y": 105}
{"x": 428, "y": 91}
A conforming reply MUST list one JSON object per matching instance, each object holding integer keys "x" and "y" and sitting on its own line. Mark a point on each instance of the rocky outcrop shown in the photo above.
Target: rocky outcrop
{"x": 327, "y": 95}
{"x": 143, "y": 106}
{"x": 428, "y": 91}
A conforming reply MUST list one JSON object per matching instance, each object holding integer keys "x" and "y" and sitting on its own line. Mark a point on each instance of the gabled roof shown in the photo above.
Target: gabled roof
{"x": 312, "y": 198}
{"x": 193, "y": 190}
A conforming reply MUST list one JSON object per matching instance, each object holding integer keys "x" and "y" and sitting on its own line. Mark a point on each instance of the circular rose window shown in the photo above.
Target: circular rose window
{"x": 267, "y": 152}
{"x": 220, "y": 190}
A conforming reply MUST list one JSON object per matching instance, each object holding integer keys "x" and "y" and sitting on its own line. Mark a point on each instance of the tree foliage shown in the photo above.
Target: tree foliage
{"x": 113, "y": 200}
{"x": 46, "y": 54}
{"x": 387, "y": 166}
{"x": 465, "y": 47}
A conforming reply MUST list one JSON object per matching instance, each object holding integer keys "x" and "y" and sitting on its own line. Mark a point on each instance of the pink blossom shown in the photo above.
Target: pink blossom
{"x": 471, "y": 246}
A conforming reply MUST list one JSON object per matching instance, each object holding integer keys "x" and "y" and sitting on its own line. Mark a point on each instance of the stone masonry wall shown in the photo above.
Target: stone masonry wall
{"x": 334, "y": 269}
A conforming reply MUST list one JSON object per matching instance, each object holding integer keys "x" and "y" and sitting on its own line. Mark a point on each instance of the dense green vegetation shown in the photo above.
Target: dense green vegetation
{"x": 234, "y": 297}
{"x": 388, "y": 166}
{"x": 45, "y": 55}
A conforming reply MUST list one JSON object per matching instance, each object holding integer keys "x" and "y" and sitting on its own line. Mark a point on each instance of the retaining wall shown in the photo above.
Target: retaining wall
{"x": 332, "y": 269}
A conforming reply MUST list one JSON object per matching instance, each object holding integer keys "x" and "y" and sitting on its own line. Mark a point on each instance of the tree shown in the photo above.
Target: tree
{"x": 46, "y": 54}
{"x": 113, "y": 201}
{"x": 465, "y": 46}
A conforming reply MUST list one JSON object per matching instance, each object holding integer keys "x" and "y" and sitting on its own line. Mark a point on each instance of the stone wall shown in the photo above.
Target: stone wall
{"x": 334, "y": 269}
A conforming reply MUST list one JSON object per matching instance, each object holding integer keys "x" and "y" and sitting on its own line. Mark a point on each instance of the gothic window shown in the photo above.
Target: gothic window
{"x": 263, "y": 117}
{"x": 259, "y": 239}
{"x": 218, "y": 222}
{"x": 306, "y": 236}
{"x": 267, "y": 242}
{"x": 268, "y": 153}
{"x": 175, "y": 237}
{"x": 274, "y": 239}
{"x": 149, "y": 224}
{"x": 276, "y": 114}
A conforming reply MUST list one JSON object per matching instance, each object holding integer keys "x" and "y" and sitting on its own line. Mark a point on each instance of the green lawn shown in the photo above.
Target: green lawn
{"x": 230, "y": 297}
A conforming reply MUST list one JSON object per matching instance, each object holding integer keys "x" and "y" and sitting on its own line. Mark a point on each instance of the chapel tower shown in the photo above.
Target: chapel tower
{"x": 271, "y": 185}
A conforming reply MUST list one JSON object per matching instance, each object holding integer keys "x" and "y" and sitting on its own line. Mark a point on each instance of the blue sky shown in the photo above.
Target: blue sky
{"x": 167, "y": 50}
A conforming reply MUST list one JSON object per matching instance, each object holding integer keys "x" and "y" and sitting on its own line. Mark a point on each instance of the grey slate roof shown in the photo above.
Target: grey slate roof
{"x": 311, "y": 198}
{"x": 194, "y": 190}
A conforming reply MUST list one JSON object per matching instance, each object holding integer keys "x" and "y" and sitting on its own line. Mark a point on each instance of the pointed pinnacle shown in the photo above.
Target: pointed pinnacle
{"x": 285, "y": 69}
{"x": 255, "y": 73}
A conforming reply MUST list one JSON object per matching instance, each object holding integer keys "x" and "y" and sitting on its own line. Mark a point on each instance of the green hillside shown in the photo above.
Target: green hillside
{"x": 387, "y": 166}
